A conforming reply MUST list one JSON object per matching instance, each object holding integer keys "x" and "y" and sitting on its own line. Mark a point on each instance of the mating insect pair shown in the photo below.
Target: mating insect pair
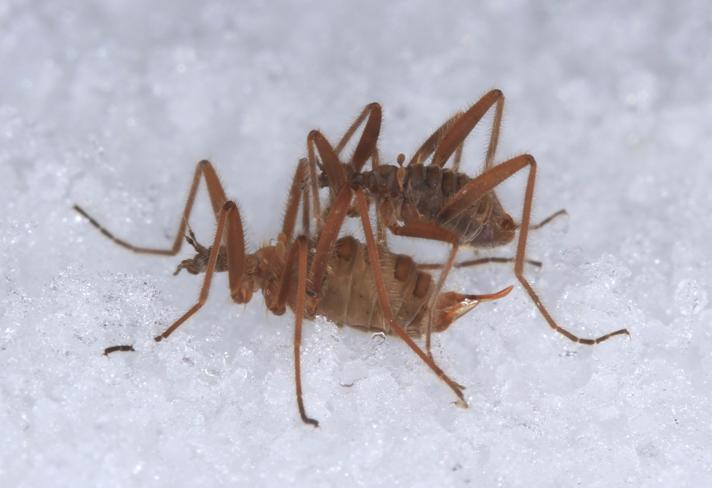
{"x": 349, "y": 282}
{"x": 437, "y": 203}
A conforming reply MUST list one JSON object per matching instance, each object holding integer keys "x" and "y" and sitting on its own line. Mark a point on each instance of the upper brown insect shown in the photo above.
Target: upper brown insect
{"x": 432, "y": 201}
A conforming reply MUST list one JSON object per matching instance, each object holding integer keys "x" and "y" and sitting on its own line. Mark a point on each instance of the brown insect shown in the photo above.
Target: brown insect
{"x": 348, "y": 282}
{"x": 435, "y": 202}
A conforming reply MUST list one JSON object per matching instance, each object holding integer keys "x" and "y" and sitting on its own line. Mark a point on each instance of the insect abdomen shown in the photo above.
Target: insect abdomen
{"x": 350, "y": 294}
{"x": 428, "y": 188}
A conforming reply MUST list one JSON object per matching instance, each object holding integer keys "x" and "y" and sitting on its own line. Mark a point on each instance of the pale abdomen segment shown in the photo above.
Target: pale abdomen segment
{"x": 349, "y": 295}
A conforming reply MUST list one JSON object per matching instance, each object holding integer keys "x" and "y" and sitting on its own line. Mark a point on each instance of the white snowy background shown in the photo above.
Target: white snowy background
{"x": 110, "y": 104}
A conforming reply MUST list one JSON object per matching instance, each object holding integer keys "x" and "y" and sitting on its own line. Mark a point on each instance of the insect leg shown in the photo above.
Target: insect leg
{"x": 461, "y": 128}
{"x": 365, "y": 149}
{"x": 476, "y": 262}
{"x": 279, "y": 306}
{"x": 228, "y": 219}
{"x": 327, "y": 161}
{"x": 551, "y": 217}
{"x": 301, "y": 243}
{"x": 432, "y": 142}
{"x": 217, "y": 198}
{"x": 486, "y": 182}
{"x": 384, "y": 301}
{"x": 296, "y": 192}
{"x": 327, "y": 238}
{"x": 367, "y": 145}
{"x": 306, "y": 216}
{"x": 429, "y": 230}
{"x": 297, "y": 251}
{"x": 313, "y": 180}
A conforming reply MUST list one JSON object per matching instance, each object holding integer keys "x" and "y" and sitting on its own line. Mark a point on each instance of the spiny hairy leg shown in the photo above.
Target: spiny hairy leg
{"x": 384, "y": 301}
{"x": 426, "y": 229}
{"x": 486, "y": 182}
{"x": 301, "y": 242}
{"x": 229, "y": 224}
{"x": 478, "y": 262}
{"x": 217, "y": 199}
{"x": 367, "y": 144}
{"x": 558, "y": 213}
{"x": 450, "y": 137}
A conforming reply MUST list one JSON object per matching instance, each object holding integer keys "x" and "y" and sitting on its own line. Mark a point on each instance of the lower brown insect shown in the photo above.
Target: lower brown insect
{"x": 349, "y": 282}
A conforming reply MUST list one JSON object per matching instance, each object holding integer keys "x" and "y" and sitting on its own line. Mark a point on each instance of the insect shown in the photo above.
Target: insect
{"x": 435, "y": 202}
{"x": 349, "y": 282}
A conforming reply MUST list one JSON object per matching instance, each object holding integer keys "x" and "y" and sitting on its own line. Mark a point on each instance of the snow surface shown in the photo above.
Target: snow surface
{"x": 110, "y": 104}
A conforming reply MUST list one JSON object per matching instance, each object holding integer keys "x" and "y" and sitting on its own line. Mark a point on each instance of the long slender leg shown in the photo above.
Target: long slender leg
{"x": 329, "y": 156}
{"x": 464, "y": 124}
{"x": 486, "y": 182}
{"x": 330, "y": 163}
{"x": 438, "y": 288}
{"x": 367, "y": 145}
{"x": 327, "y": 238}
{"x": 432, "y": 142}
{"x": 366, "y": 111}
{"x": 299, "y": 317}
{"x": 297, "y": 251}
{"x": 318, "y": 269}
{"x": 306, "y": 215}
{"x": 458, "y": 157}
{"x": 335, "y": 171}
{"x": 217, "y": 198}
{"x": 547, "y": 220}
{"x": 494, "y": 134}
{"x": 477, "y": 262}
{"x": 278, "y": 307}
{"x": 313, "y": 182}
{"x": 227, "y": 217}
{"x": 385, "y": 305}
{"x": 296, "y": 191}
{"x": 429, "y": 230}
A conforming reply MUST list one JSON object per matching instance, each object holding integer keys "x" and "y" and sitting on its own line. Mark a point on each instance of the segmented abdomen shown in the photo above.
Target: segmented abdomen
{"x": 426, "y": 189}
{"x": 349, "y": 294}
